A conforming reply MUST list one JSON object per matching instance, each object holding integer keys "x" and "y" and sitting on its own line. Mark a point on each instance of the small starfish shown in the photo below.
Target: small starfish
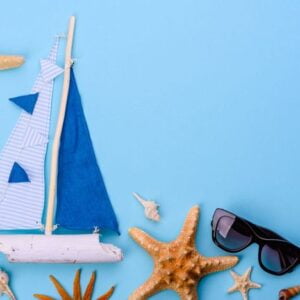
{"x": 76, "y": 290}
{"x": 178, "y": 265}
{"x": 243, "y": 283}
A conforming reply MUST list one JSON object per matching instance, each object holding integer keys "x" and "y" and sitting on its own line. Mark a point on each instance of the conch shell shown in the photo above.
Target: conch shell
{"x": 289, "y": 293}
{"x": 9, "y": 62}
{"x": 151, "y": 208}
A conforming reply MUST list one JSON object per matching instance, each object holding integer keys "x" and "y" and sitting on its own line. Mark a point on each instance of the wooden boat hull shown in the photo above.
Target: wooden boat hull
{"x": 39, "y": 248}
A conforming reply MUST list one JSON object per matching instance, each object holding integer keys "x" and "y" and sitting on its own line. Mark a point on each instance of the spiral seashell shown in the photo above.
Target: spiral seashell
{"x": 150, "y": 208}
{"x": 286, "y": 294}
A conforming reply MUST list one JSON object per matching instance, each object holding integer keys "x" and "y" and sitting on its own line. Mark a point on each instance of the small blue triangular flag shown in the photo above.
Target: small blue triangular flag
{"x": 18, "y": 174}
{"x": 26, "y": 102}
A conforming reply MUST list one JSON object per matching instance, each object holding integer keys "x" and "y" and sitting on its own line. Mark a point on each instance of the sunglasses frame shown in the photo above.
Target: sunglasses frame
{"x": 259, "y": 235}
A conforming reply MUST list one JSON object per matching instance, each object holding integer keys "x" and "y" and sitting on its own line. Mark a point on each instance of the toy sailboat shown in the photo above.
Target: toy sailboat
{"x": 76, "y": 190}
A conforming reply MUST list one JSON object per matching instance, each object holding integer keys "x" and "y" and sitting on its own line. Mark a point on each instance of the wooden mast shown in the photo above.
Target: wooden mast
{"x": 59, "y": 127}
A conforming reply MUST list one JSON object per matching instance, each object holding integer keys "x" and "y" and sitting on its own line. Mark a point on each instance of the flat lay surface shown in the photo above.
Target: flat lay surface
{"x": 193, "y": 102}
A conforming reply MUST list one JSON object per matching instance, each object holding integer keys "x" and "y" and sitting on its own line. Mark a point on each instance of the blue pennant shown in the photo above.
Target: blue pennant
{"x": 26, "y": 102}
{"x": 18, "y": 174}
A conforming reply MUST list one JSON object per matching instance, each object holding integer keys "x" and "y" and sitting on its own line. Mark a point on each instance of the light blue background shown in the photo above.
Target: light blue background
{"x": 188, "y": 102}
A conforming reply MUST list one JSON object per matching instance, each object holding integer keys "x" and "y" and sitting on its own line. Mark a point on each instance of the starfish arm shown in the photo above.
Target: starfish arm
{"x": 108, "y": 294}
{"x": 254, "y": 285}
{"x": 62, "y": 292}
{"x": 147, "y": 242}
{"x": 189, "y": 293}
{"x": 76, "y": 286}
{"x": 42, "y": 297}
{"x": 234, "y": 288}
{"x": 244, "y": 295}
{"x": 248, "y": 273}
{"x": 188, "y": 231}
{"x": 146, "y": 290}
{"x": 234, "y": 275}
{"x": 216, "y": 264}
{"x": 90, "y": 288}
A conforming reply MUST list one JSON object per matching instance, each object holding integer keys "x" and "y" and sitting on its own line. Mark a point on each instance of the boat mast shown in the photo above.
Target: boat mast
{"x": 59, "y": 127}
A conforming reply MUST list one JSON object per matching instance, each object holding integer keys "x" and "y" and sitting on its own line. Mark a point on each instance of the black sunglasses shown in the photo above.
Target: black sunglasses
{"x": 233, "y": 234}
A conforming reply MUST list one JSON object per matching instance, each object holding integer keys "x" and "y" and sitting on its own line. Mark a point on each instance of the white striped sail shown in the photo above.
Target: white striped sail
{"x": 22, "y": 203}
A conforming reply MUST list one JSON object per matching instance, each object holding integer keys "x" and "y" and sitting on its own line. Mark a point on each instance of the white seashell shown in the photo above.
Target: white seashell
{"x": 151, "y": 208}
{"x": 4, "y": 287}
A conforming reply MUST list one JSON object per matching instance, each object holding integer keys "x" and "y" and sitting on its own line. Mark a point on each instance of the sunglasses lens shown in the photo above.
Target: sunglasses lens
{"x": 278, "y": 257}
{"x": 232, "y": 234}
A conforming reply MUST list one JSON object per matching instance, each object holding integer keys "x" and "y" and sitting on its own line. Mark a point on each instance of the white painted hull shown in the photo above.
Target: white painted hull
{"x": 39, "y": 248}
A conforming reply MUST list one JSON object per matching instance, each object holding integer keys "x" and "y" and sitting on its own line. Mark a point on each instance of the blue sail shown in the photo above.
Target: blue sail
{"x": 82, "y": 199}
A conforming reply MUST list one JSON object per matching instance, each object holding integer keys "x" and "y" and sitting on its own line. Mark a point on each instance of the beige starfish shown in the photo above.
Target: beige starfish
{"x": 9, "y": 62}
{"x": 243, "y": 283}
{"x": 178, "y": 265}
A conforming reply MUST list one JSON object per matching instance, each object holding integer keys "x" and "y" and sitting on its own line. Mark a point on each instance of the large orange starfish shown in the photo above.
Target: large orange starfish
{"x": 76, "y": 290}
{"x": 178, "y": 265}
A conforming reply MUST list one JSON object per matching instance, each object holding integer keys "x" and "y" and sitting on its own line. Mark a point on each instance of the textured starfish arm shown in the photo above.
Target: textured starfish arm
{"x": 188, "y": 293}
{"x": 216, "y": 264}
{"x": 147, "y": 242}
{"x": 90, "y": 288}
{"x": 62, "y": 292}
{"x": 254, "y": 285}
{"x": 188, "y": 231}
{"x": 233, "y": 289}
{"x": 149, "y": 288}
{"x": 248, "y": 273}
{"x": 244, "y": 295}
{"x": 108, "y": 294}
{"x": 234, "y": 275}
{"x": 77, "y": 287}
{"x": 42, "y": 297}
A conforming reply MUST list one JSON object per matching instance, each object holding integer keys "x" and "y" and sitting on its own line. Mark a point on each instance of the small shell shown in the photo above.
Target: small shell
{"x": 289, "y": 293}
{"x": 9, "y": 62}
{"x": 4, "y": 287}
{"x": 151, "y": 208}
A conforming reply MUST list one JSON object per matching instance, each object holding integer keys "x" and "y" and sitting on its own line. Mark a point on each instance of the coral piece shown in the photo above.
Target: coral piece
{"x": 9, "y": 62}
{"x": 243, "y": 283}
{"x": 286, "y": 294}
{"x": 177, "y": 264}
{"x": 151, "y": 208}
{"x": 4, "y": 287}
{"x": 77, "y": 295}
